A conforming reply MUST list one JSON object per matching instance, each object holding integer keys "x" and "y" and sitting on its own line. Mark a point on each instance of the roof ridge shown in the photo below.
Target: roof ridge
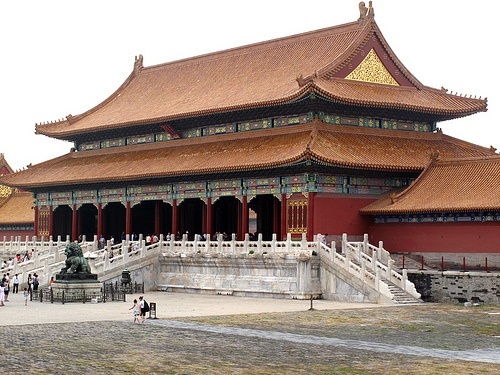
{"x": 251, "y": 47}
{"x": 433, "y": 159}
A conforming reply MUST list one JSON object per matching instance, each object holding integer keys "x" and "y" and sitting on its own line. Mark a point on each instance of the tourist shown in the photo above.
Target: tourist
{"x": 30, "y": 283}
{"x": 51, "y": 282}
{"x": 15, "y": 283}
{"x": 136, "y": 310}
{"x": 143, "y": 312}
{"x": 26, "y": 295}
{"x": 36, "y": 282}
{"x": 6, "y": 287}
{"x": 2, "y": 295}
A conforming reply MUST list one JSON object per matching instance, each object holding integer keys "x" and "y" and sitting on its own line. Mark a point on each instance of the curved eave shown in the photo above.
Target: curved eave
{"x": 159, "y": 175}
{"x": 473, "y": 105}
{"x": 365, "y": 166}
{"x": 69, "y": 135}
{"x": 187, "y": 157}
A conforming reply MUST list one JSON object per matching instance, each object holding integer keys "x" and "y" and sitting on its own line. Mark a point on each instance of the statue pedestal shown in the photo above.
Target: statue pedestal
{"x": 71, "y": 288}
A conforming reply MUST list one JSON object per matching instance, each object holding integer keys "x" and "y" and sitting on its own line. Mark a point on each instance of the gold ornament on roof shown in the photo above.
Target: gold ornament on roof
{"x": 372, "y": 70}
{"x": 5, "y": 191}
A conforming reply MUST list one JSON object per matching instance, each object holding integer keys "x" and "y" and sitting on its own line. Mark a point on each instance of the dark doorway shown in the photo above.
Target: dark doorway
{"x": 268, "y": 220}
{"x": 165, "y": 219}
{"x": 63, "y": 218}
{"x": 87, "y": 214}
{"x": 114, "y": 221}
{"x": 226, "y": 217}
{"x": 191, "y": 217}
{"x": 143, "y": 218}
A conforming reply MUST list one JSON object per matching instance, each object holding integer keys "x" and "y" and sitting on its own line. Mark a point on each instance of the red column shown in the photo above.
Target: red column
{"x": 244, "y": 217}
{"x": 157, "y": 217}
{"x": 128, "y": 218}
{"x": 175, "y": 218}
{"x": 35, "y": 223}
{"x": 74, "y": 224}
{"x": 283, "y": 216}
{"x": 99, "y": 220}
{"x": 276, "y": 218}
{"x": 208, "y": 218}
{"x": 310, "y": 215}
{"x": 51, "y": 221}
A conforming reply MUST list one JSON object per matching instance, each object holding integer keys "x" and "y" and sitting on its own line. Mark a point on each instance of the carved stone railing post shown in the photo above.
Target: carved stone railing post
{"x": 288, "y": 245}
{"x": 405, "y": 278}
{"x": 390, "y": 264}
{"x": 374, "y": 259}
{"x": 245, "y": 242}
{"x": 233, "y": 243}
{"x": 160, "y": 239}
{"x": 259, "y": 243}
{"x": 303, "y": 242}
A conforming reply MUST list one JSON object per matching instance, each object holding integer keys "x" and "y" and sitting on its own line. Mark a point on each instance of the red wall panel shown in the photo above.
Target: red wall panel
{"x": 463, "y": 237}
{"x": 335, "y": 214}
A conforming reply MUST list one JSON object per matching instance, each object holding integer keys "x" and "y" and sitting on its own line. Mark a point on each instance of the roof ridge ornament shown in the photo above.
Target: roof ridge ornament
{"x": 138, "y": 64}
{"x": 365, "y": 13}
{"x": 435, "y": 156}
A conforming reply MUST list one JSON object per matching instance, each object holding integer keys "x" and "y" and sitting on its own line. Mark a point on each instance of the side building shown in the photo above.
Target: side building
{"x": 16, "y": 209}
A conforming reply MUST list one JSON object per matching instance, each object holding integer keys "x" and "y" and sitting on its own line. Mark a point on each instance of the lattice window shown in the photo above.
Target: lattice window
{"x": 297, "y": 217}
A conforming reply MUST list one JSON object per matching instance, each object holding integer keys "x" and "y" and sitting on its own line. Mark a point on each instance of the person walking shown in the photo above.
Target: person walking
{"x": 136, "y": 310}
{"x": 35, "y": 282}
{"x": 15, "y": 283}
{"x": 6, "y": 287}
{"x": 26, "y": 295}
{"x": 144, "y": 308}
{"x": 2, "y": 295}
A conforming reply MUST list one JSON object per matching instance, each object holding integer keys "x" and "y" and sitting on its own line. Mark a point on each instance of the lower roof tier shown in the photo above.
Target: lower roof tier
{"x": 323, "y": 144}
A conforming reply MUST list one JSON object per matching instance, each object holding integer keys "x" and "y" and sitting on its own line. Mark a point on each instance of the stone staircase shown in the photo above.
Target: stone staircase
{"x": 401, "y": 297}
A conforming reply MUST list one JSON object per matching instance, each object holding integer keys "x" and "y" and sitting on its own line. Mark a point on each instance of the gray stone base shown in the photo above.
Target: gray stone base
{"x": 76, "y": 290}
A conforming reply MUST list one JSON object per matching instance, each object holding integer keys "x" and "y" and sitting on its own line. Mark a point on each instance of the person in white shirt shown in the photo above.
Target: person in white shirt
{"x": 15, "y": 283}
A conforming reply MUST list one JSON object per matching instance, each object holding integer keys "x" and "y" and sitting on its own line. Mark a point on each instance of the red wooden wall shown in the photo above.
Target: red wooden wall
{"x": 461, "y": 237}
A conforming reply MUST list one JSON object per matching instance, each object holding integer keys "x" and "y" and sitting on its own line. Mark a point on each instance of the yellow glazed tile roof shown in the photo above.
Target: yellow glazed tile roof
{"x": 263, "y": 74}
{"x": 17, "y": 209}
{"x": 334, "y": 145}
{"x": 453, "y": 185}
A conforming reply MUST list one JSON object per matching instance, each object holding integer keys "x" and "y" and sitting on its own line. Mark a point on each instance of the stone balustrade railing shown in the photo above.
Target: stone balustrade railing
{"x": 364, "y": 261}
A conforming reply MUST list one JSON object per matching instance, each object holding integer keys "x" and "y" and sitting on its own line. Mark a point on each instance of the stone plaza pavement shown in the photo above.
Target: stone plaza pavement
{"x": 168, "y": 306}
{"x": 186, "y": 338}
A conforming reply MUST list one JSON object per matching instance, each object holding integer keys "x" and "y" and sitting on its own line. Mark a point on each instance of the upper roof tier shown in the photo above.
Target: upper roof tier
{"x": 350, "y": 64}
{"x": 334, "y": 146}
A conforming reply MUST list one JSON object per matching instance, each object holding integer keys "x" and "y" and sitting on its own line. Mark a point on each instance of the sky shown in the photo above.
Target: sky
{"x": 65, "y": 57}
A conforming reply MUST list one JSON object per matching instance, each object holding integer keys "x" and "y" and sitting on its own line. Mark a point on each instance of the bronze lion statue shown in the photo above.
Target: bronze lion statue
{"x": 75, "y": 262}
